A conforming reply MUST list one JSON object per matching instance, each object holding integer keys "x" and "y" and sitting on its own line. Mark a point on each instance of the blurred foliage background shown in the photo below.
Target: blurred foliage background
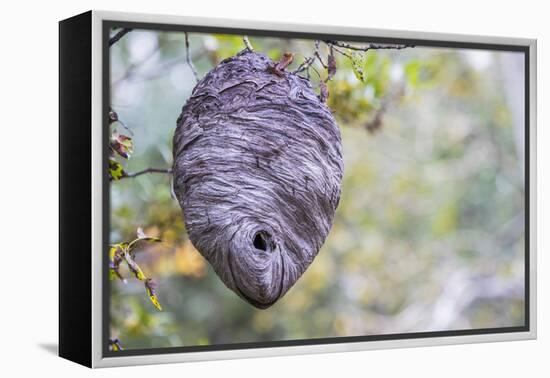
{"x": 429, "y": 232}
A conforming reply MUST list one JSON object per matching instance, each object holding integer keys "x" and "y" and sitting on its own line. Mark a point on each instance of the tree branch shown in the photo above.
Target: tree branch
{"x": 188, "y": 58}
{"x": 114, "y": 39}
{"x": 167, "y": 171}
{"x": 370, "y": 46}
{"x": 247, "y": 43}
{"x": 306, "y": 64}
{"x": 319, "y": 55}
{"x": 341, "y": 52}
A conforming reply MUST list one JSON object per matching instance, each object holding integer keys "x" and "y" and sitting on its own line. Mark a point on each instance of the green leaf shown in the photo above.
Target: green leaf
{"x": 116, "y": 171}
{"x": 358, "y": 61}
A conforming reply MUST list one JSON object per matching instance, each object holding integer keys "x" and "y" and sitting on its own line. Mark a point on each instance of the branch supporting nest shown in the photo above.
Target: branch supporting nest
{"x": 247, "y": 43}
{"x": 188, "y": 58}
{"x": 367, "y": 47}
{"x": 306, "y": 64}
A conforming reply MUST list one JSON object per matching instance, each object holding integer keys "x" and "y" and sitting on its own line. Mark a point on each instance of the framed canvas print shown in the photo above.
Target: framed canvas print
{"x": 233, "y": 189}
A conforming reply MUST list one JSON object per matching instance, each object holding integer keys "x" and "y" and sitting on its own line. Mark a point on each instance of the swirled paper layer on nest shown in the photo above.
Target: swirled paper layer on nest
{"x": 257, "y": 172}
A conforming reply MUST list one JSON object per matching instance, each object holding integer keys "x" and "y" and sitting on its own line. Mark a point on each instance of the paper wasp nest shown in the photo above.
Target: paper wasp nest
{"x": 257, "y": 172}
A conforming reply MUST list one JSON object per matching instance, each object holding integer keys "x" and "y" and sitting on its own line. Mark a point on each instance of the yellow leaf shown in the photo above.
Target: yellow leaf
{"x": 114, "y": 345}
{"x": 116, "y": 171}
{"x": 141, "y": 236}
{"x": 134, "y": 267}
{"x": 112, "y": 251}
{"x": 115, "y": 259}
{"x": 155, "y": 302}
{"x": 151, "y": 292}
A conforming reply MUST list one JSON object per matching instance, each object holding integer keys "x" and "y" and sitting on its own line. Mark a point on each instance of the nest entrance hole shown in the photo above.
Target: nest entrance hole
{"x": 263, "y": 241}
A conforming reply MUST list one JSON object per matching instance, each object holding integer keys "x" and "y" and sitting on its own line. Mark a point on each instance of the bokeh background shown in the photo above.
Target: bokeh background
{"x": 429, "y": 232}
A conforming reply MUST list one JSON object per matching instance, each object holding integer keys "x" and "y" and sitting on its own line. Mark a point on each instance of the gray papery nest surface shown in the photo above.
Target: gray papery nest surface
{"x": 257, "y": 172}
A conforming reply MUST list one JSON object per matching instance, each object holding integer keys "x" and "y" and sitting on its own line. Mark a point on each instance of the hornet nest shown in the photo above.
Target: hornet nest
{"x": 257, "y": 172}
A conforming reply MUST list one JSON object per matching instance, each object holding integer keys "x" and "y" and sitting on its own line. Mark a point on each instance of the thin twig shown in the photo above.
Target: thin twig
{"x": 113, "y": 117}
{"x": 306, "y": 64}
{"x": 188, "y": 58}
{"x": 167, "y": 171}
{"x": 315, "y": 70}
{"x": 342, "y": 52}
{"x": 247, "y": 43}
{"x": 114, "y": 39}
{"x": 367, "y": 47}
{"x": 319, "y": 55}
